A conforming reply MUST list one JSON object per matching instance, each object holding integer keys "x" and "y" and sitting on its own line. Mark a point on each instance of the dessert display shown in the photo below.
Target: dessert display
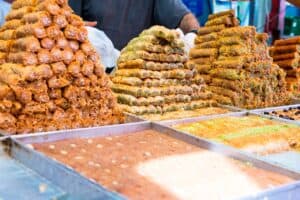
{"x": 289, "y": 113}
{"x": 154, "y": 78}
{"x": 142, "y": 165}
{"x": 186, "y": 114}
{"x": 250, "y": 133}
{"x": 285, "y": 53}
{"x": 50, "y": 75}
{"x": 236, "y": 64}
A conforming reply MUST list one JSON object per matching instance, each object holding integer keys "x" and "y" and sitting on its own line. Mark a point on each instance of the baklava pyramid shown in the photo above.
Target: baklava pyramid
{"x": 50, "y": 75}
{"x": 236, "y": 64}
{"x": 154, "y": 78}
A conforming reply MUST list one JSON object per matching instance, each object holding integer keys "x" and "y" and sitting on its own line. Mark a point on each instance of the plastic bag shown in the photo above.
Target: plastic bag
{"x": 103, "y": 46}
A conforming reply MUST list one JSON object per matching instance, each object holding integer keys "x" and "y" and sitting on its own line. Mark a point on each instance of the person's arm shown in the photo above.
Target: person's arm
{"x": 189, "y": 23}
{"x": 174, "y": 14}
{"x": 295, "y": 2}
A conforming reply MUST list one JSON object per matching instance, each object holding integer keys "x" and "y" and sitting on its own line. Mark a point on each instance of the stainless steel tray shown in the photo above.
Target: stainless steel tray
{"x": 281, "y": 160}
{"x": 289, "y": 190}
{"x": 262, "y": 111}
{"x": 25, "y": 174}
{"x": 128, "y": 119}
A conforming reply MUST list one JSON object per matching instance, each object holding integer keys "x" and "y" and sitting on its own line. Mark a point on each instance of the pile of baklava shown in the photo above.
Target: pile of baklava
{"x": 236, "y": 65}
{"x": 154, "y": 78}
{"x": 50, "y": 75}
{"x": 285, "y": 53}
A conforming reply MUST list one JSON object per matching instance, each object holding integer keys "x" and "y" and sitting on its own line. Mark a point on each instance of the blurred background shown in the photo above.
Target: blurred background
{"x": 279, "y": 18}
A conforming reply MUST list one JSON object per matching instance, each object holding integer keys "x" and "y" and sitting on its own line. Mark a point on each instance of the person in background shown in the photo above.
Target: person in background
{"x": 4, "y": 9}
{"x": 123, "y": 20}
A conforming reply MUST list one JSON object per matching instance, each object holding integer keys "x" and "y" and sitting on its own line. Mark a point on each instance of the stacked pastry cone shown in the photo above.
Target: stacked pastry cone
{"x": 241, "y": 71}
{"x": 207, "y": 46}
{"x": 153, "y": 78}
{"x": 50, "y": 75}
{"x": 285, "y": 53}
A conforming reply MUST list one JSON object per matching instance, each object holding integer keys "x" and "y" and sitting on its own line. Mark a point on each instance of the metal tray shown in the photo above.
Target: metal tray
{"x": 287, "y": 160}
{"x": 26, "y": 174}
{"x": 128, "y": 119}
{"x": 289, "y": 190}
{"x": 230, "y": 108}
{"x": 261, "y": 111}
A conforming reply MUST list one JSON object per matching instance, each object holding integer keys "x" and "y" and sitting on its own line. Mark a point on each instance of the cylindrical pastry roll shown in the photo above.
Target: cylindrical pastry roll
{"x": 7, "y": 35}
{"x": 25, "y": 58}
{"x": 233, "y": 85}
{"x": 234, "y": 50}
{"x": 224, "y": 20}
{"x": 54, "y": 32}
{"x": 49, "y": 6}
{"x": 285, "y": 49}
{"x": 243, "y": 32}
{"x": 87, "y": 68}
{"x": 44, "y": 56}
{"x": 11, "y": 25}
{"x": 286, "y": 56}
{"x": 75, "y": 20}
{"x": 74, "y": 33}
{"x": 58, "y": 82}
{"x": 41, "y": 17}
{"x": 134, "y": 81}
{"x": 230, "y": 63}
{"x": 60, "y": 21}
{"x": 19, "y": 13}
{"x": 80, "y": 57}
{"x": 58, "y": 68}
{"x": 30, "y": 44}
{"x": 210, "y": 29}
{"x": 295, "y": 73}
{"x": 230, "y": 13}
{"x": 5, "y": 45}
{"x": 231, "y": 40}
{"x": 291, "y": 63}
{"x": 99, "y": 69}
{"x": 22, "y": 94}
{"x": 47, "y": 43}
{"x": 56, "y": 55}
{"x": 62, "y": 43}
{"x": 87, "y": 48}
{"x": 209, "y": 44}
{"x": 203, "y": 68}
{"x": 74, "y": 45}
{"x": 203, "y": 60}
{"x": 196, "y": 53}
{"x": 23, "y": 3}
{"x": 44, "y": 71}
{"x": 67, "y": 56}
{"x": 74, "y": 69}
{"x": 289, "y": 41}
{"x": 36, "y": 30}
{"x": 206, "y": 38}
{"x": 230, "y": 74}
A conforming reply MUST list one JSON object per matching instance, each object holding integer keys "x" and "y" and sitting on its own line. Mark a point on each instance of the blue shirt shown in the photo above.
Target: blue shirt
{"x": 123, "y": 20}
{"x": 4, "y": 9}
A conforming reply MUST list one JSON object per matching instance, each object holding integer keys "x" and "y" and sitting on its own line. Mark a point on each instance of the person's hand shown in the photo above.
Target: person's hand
{"x": 91, "y": 24}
